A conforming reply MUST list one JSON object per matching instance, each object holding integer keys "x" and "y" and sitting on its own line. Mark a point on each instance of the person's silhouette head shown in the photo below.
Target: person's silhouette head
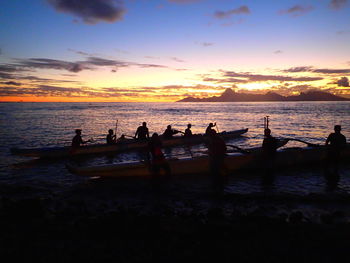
{"x": 169, "y": 127}
{"x": 144, "y": 124}
{"x": 78, "y": 131}
{"x": 267, "y": 132}
{"x": 110, "y": 131}
{"x": 189, "y": 125}
{"x": 155, "y": 138}
{"x": 337, "y": 128}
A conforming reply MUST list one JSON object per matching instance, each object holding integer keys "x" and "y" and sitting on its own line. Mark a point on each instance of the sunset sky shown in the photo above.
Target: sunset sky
{"x": 165, "y": 50}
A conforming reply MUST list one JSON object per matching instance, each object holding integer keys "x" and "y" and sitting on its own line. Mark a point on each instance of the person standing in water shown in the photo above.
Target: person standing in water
{"x": 217, "y": 152}
{"x": 142, "y": 132}
{"x": 269, "y": 149}
{"x": 158, "y": 161}
{"x": 335, "y": 143}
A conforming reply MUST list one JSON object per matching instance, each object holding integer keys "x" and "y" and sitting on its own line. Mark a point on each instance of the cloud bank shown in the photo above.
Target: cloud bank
{"x": 337, "y": 4}
{"x": 91, "y": 11}
{"x": 297, "y": 10}
{"x": 225, "y": 14}
{"x": 317, "y": 70}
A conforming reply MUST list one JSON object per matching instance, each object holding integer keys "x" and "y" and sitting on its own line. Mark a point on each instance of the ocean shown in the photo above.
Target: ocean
{"x": 29, "y": 125}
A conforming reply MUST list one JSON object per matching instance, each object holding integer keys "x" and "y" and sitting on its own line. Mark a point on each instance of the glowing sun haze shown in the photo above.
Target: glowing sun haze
{"x": 165, "y": 50}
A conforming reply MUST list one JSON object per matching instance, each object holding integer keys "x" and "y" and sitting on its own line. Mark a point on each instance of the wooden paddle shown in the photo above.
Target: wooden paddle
{"x": 238, "y": 148}
{"x": 179, "y": 131}
{"x": 307, "y": 143}
{"x": 116, "y": 128}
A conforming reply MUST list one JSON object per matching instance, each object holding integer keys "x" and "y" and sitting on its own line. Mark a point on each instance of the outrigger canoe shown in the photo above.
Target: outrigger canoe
{"x": 125, "y": 145}
{"x": 287, "y": 157}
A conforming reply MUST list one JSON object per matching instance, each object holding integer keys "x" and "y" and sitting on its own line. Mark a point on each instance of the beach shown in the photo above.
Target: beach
{"x": 48, "y": 214}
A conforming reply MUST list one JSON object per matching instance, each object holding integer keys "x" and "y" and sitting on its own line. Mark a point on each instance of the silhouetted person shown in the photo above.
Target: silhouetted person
{"x": 158, "y": 161}
{"x": 269, "y": 149}
{"x": 121, "y": 138}
{"x": 142, "y": 132}
{"x": 77, "y": 140}
{"x": 335, "y": 142}
{"x": 209, "y": 128}
{"x": 111, "y": 138}
{"x": 169, "y": 132}
{"x": 217, "y": 152}
{"x": 188, "y": 132}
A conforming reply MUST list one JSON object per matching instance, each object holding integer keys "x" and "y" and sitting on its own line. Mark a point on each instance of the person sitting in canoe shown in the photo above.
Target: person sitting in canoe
{"x": 77, "y": 140}
{"x": 209, "y": 129}
{"x": 217, "y": 152}
{"x": 111, "y": 138}
{"x": 269, "y": 149}
{"x": 336, "y": 142}
{"x": 121, "y": 138}
{"x": 158, "y": 161}
{"x": 169, "y": 132}
{"x": 142, "y": 132}
{"x": 188, "y": 132}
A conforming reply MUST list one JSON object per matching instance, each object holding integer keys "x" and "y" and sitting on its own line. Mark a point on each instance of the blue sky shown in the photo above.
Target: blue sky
{"x": 164, "y": 43}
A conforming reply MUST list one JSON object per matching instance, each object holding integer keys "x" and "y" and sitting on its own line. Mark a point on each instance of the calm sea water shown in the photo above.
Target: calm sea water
{"x": 53, "y": 124}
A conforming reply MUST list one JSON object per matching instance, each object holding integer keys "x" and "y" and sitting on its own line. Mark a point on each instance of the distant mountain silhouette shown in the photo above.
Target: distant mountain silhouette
{"x": 230, "y": 96}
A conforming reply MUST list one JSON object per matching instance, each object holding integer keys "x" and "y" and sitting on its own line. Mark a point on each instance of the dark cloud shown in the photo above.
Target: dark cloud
{"x": 91, "y": 63}
{"x": 257, "y": 77}
{"x": 337, "y": 4}
{"x": 79, "y": 92}
{"x": 297, "y": 10}
{"x": 8, "y": 68}
{"x": 332, "y": 71}
{"x": 7, "y": 71}
{"x": 298, "y": 69}
{"x": 224, "y": 14}
{"x": 278, "y": 52}
{"x": 45, "y": 63}
{"x": 315, "y": 70}
{"x": 79, "y": 52}
{"x": 226, "y": 80}
{"x": 96, "y": 61}
{"x": 91, "y": 11}
{"x": 12, "y": 83}
{"x": 343, "y": 82}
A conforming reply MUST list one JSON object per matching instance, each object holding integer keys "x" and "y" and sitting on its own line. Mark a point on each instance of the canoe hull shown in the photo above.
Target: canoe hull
{"x": 128, "y": 144}
{"x": 200, "y": 165}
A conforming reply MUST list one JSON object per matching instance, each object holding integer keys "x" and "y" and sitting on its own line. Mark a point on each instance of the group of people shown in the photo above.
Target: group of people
{"x": 142, "y": 133}
{"x": 217, "y": 151}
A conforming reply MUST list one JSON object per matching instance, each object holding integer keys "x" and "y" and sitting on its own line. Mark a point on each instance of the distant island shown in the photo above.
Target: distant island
{"x": 230, "y": 96}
